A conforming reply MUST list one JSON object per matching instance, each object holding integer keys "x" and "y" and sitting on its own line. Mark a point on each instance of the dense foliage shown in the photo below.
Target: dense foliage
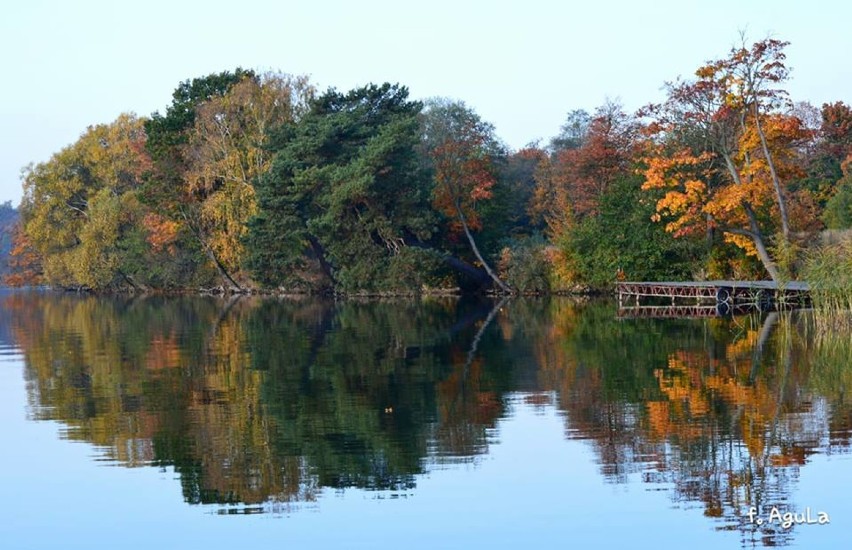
{"x": 252, "y": 180}
{"x": 343, "y": 197}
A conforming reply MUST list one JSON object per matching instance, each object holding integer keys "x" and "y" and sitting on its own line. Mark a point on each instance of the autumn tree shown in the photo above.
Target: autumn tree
{"x": 570, "y": 183}
{"x": 836, "y": 130}
{"x": 751, "y": 76}
{"x": 24, "y": 264}
{"x": 81, "y": 209}
{"x": 165, "y": 188}
{"x": 460, "y": 149}
{"x": 721, "y": 149}
{"x": 827, "y": 161}
{"x": 549, "y": 204}
{"x": 225, "y": 153}
{"x": 168, "y": 132}
{"x": 605, "y": 153}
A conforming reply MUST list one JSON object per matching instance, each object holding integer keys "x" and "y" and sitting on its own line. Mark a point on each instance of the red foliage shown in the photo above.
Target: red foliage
{"x": 607, "y": 151}
{"x": 24, "y": 262}
{"x": 836, "y": 130}
{"x": 464, "y": 175}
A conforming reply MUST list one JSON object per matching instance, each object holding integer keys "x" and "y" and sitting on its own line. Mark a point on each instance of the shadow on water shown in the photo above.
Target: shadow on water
{"x": 259, "y": 402}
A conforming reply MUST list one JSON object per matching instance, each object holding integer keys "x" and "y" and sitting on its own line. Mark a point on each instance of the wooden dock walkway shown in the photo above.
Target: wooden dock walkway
{"x": 721, "y": 297}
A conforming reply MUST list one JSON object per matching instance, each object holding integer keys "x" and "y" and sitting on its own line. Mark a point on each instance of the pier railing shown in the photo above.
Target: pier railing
{"x": 707, "y": 298}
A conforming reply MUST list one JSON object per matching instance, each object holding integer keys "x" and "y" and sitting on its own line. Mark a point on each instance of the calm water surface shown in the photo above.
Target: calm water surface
{"x": 187, "y": 422}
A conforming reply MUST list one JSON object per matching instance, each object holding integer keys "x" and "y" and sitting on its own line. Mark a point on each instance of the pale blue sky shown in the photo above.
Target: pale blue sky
{"x": 521, "y": 65}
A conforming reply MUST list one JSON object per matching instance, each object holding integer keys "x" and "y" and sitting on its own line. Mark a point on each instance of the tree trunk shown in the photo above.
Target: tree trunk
{"x": 460, "y": 266}
{"x": 318, "y": 249}
{"x": 766, "y": 259}
{"x": 477, "y": 274}
{"x": 136, "y": 286}
{"x": 782, "y": 204}
{"x": 223, "y": 273}
{"x": 757, "y": 238}
{"x": 227, "y": 280}
{"x": 754, "y": 233}
{"x": 709, "y": 233}
{"x": 762, "y": 253}
{"x": 759, "y": 245}
{"x": 475, "y": 249}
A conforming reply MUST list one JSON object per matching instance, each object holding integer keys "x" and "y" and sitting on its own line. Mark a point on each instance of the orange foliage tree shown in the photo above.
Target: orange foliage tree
{"x": 723, "y": 147}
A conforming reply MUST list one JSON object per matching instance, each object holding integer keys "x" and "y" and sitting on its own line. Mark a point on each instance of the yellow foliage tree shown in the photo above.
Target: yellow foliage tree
{"x": 225, "y": 154}
{"x": 78, "y": 206}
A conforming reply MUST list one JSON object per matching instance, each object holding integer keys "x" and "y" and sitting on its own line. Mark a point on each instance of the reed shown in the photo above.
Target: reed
{"x": 828, "y": 270}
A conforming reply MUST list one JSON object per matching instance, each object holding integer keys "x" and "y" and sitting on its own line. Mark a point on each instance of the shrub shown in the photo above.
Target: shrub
{"x": 524, "y": 265}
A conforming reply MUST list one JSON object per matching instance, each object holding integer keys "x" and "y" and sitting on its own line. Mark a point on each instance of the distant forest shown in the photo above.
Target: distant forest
{"x": 260, "y": 181}
{"x": 9, "y": 220}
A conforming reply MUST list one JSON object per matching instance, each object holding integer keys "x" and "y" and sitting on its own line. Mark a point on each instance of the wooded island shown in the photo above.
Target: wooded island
{"x": 259, "y": 181}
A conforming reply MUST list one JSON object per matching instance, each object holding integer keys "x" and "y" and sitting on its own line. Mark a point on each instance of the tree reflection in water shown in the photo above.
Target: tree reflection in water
{"x": 725, "y": 411}
{"x": 264, "y": 402}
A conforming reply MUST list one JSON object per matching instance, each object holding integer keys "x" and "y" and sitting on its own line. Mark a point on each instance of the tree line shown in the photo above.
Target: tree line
{"x": 251, "y": 180}
{"x": 8, "y": 225}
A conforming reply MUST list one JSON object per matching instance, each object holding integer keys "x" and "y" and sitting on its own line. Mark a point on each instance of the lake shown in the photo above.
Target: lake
{"x": 165, "y": 422}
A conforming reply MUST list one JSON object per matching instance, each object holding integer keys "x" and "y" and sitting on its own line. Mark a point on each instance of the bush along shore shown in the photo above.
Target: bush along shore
{"x": 251, "y": 183}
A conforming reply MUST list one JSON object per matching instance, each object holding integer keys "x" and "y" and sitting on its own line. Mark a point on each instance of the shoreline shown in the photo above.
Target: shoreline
{"x": 579, "y": 291}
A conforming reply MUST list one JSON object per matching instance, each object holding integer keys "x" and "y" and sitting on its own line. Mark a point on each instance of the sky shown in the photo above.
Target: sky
{"x": 521, "y": 65}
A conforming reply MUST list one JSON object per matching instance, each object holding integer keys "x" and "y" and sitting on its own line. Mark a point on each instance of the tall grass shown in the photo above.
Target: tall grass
{"x": 828, "y": 270}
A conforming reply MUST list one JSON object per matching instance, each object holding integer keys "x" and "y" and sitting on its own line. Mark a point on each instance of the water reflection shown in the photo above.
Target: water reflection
{"x": 267, "y": 402}
{"x": 725, "y": 411}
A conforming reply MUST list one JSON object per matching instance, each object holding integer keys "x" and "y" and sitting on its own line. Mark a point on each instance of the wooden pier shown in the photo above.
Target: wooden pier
{"x": 707, "y": 298}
